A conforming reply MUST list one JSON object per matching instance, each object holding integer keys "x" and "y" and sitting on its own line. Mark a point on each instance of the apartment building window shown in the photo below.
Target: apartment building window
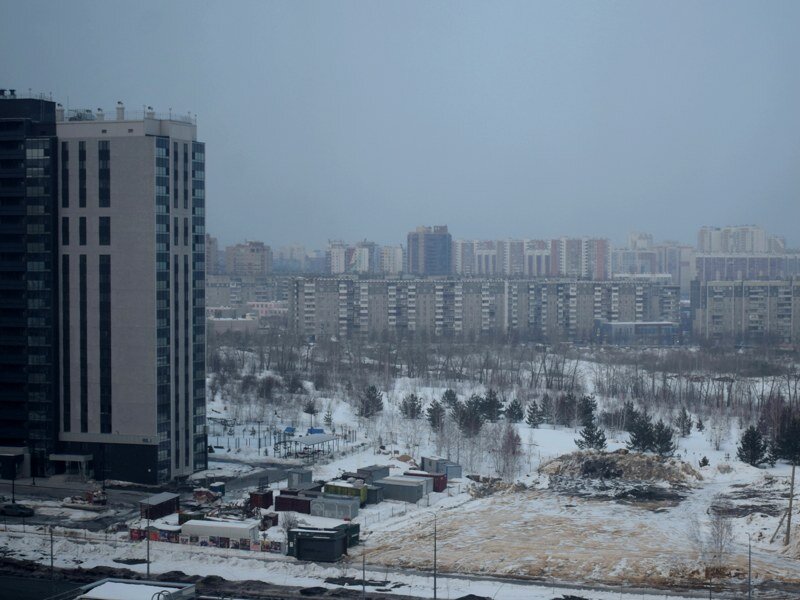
{"x": 175, "y": 231}
{"x": 84, "y": 344}
{"x": 185, "y": 231}
{"x": 82, "y": 231}
{"x": 105, "y": 342}
{"x": 175, "y": 174}
{"x": 65, "y": 231}
{"x": 104, "y": 231}
{"x": 65, "y": 343}
{"x": 82, "y": 174}
{"x": 104, "y": 173}
{"x": 65, "y": 174}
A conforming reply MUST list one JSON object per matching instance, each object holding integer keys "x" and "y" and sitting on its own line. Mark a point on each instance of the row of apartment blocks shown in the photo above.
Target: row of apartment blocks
{"x": 747, "y": 311}
{"x": 558, "y": 309}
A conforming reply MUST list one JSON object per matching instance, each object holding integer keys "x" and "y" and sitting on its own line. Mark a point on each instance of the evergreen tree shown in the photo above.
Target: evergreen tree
{"x": 310, "y": 408}
{"x": 684, "y": 422}
{"x": 411, "y": 406}
{"x": 592, "y": 437}
{"x": 435, "y": 415}
{"x": 370, "y": 402}
{"x": 641, "y": 433}
{"x": 700, "y": 425}
{"x": 491, "y": 407}
{"x": 704, "y": 461}
{"x": 629, "y": 416}
{"x": 546, "y": 411}
{"x": 787, "y": 444}
{"x": 449, "y": 398}
{"x": 328, "y": 419}
{"x": 533, "y": 417}
{"x": 514, "y": 412}
{"x": 586, "y": 407}
{"x": 663, "y": 440}
{"x": 469, "y": 416}
{"x": 752, "y": 447}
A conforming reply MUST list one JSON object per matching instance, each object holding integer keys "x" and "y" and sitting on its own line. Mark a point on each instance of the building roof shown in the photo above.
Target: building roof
{"x": 159, "y": 499}
{"x": 314, "y": 439}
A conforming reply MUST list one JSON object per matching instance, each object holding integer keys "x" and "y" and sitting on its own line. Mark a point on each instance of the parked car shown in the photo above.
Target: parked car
{"x": 16, "y": 510}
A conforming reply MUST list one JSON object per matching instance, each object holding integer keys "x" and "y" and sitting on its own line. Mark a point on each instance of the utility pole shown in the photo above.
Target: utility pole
{"x": 434, "y": 556}
{"x": 789, "y": 514}
{"x": 51, "y": 552}
{"x": 749, "y": 568}
{"x": 364, "y": 572}
{"x": 147, "y": 535}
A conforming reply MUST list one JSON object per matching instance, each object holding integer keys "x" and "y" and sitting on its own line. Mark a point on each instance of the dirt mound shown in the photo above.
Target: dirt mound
{"x": 621, "y": 465}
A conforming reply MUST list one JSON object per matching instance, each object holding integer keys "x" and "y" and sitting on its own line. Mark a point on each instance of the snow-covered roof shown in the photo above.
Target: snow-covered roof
{"x": 119, "y": 590}
{"x": 243, "y": 525}
{"x": 159, "y": 498}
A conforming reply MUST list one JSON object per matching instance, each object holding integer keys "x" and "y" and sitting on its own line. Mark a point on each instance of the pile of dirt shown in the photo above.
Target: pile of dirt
{"x": 622, "y": 465}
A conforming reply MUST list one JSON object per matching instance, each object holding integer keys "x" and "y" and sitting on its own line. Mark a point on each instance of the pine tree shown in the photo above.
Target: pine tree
{"x": 328, "y": 419}
{"x": 491, "y": 407}
{"x": 641, "y": 433}
{"x": 435, "y": 415}
{"x": 592, "y": 437}
{"x": 586, "y": 407}
{"x": 700, "y": 425}
{"x": 533, "y": 417}
{"x": 370, "y": 402}
{"x": 310, "y": 408}
{"x": 547, "y": 410}
{"x": 411, "y": 406}
{"x": 683, "y": 422}
{"x": 787, "y": 444}
{"x": 629, "y": 416}
{"x": 449, "y": 398}
{"x": 514, "y": 413}
{"x": 469, "y": 416}
{"x": 663, "y": 440}
{"x": 752, "y": 447}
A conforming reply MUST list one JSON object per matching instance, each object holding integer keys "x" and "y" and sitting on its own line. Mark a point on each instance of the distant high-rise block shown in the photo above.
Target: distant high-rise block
{"x": 430, "y": 251}
{"x": 250, "y": 259}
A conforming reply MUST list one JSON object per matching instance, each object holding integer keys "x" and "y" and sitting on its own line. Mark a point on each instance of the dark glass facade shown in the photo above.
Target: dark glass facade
{"x": 28, "y": 282}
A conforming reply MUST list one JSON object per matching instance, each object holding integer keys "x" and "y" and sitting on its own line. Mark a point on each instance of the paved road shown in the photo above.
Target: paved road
{"x": 32, "y": 588}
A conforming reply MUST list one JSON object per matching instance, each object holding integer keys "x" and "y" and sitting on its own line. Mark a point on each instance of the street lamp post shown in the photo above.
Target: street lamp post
{"x": 259, "y": 434}
{"x": 434, "y": 556}
{"x": 749, "y": 568}
{"x": 147, "y": 535}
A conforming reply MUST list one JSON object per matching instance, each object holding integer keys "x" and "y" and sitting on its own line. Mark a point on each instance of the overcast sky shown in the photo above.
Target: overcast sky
{"x": 357, "y": 120}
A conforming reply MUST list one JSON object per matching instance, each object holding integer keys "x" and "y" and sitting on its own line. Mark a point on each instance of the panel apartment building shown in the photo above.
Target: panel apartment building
{"x": 123, "y": 338}
{"x": 747, "y": 311}
{"x": 559, "y": 309}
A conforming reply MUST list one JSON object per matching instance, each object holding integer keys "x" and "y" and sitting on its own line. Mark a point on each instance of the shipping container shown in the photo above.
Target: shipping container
{"x": 319, "y": 545}
{"x": 442, "y": 465}
{"x": 403, "y": 490}
{"x": 158, "y": 506}
{"x": 373, "y": 472}
{"x": 261, "y": 499}
{"x": 439, "y": 479}
{"x": 298, "y": 476}
{"x": 190, "y": 516}
{"x": 374, "y": 494}
{"x": 293, "y": 503}
{"x": 341, "y": 507}
{"x": 346, "y": 488}
{"x": 218, "y": 487}
{"x": 427, "y": 482}
{"x": 222, "y": 529}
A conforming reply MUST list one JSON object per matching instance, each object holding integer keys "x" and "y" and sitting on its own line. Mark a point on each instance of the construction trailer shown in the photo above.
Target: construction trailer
{"x": 437, "y": 464}
{"x": 374, "y": 494}
{"x": 301, "y": 504}
{"x": 261, "y": 499}
{"x": 356, "y": 488}
{"x": 373, "y": 472}
{"x": 439, "y": 479}
{"x": 340, "y": 507}
{"x": 298, "y": 477}
{"x": 410, "y": 489}
{"x": 159, "y": 505}
{"x": 222, "y": 530}
{"x": 427, "y": 482}
{"x": 319, "y": 545}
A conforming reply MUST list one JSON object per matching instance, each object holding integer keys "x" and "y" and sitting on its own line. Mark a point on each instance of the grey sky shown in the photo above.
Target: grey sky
{"x": 364, "y": 119}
